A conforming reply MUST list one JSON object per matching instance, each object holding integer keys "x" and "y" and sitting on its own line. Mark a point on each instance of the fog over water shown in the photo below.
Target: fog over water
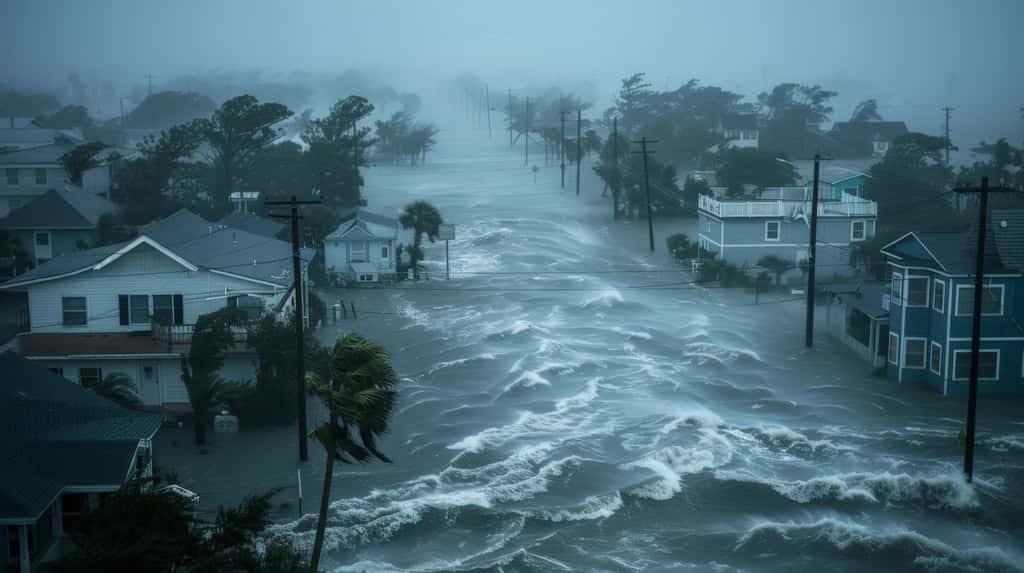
{"x": 571, "y": 401}
{"x": 914, "y": 56}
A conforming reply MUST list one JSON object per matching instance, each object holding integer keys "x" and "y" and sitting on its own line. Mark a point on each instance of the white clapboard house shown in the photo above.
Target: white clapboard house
{"x": 362, "y": 248}
{"x": 131, "y": 307}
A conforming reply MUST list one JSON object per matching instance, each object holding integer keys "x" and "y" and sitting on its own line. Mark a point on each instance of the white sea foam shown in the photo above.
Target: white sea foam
{"x": 847, "y": 536}
{"x": 458, "y": 362}
{"x": 671, "y": 463}
{"x": 593, "y": 507}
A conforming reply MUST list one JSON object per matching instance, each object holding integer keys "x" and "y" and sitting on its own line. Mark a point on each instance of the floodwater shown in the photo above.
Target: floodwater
{"x": 571, "y": 402}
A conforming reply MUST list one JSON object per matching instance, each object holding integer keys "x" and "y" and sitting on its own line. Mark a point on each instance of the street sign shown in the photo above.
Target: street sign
{"x": 446, "y": 232}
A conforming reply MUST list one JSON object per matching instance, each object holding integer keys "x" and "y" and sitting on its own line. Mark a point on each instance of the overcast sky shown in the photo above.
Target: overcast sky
{"x": 911, "y": 54}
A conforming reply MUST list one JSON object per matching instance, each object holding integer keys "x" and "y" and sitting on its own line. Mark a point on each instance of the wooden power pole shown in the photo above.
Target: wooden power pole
{"x": 979, "y": 281}
{"x": 300, "y": 345}
{"x": 647, "y": 186}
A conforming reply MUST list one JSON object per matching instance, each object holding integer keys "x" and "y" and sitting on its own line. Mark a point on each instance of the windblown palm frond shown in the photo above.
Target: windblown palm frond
{"x": 119, "y": 388}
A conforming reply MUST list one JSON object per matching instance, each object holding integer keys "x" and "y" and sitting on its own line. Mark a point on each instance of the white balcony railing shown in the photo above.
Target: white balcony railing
{"x": 848, "y": 207}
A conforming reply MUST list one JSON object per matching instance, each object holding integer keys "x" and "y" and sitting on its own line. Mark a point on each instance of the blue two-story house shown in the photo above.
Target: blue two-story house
{"x": 931, "y": 308}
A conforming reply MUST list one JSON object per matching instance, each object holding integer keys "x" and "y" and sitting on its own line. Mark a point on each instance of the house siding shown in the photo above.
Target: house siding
{"x": 1004, "y": 333}
{"x": 742, "y": 242}
{"x": 62, "y": 241}
{"x": 144, "y": 271}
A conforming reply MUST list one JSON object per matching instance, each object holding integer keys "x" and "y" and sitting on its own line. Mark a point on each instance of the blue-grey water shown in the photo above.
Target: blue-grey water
{"x": 571, "y": 403}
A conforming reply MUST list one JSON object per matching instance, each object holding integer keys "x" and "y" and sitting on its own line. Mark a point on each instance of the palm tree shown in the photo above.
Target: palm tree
{"x": 211, "y": 339}
{"x": 866, "y": 110}
{"x": 360, "y": 397}
{"x": 422, "y": 218}
{"x": 119, "y": 388}
{"x": 776, "y": 265}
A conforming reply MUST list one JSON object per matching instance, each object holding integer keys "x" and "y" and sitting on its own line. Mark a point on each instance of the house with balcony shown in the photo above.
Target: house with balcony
{"x": 776, "y": 221}
{"x": 931, "y": 308}
{"x": 64, "y": 449}
{"x": 57, "y": 223}
{"x": 131, "y": 307}
{"x": 740, "y": 130}
{"x": 27, "y": 174}
{"x": 865, "y": 138}
{"x": 362, "y": 248}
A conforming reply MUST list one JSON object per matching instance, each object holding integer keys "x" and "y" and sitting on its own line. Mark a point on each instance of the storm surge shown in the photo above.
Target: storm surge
{"x": 576, "y": 404}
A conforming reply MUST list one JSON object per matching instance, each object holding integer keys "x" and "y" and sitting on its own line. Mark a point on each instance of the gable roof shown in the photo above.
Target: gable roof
{"x": 739, "y": 121}
{"x": 866, "y": 131}
{"x": 192, "y": 242}
{"x": 48, "y": 154}
{"x": 363, "y": 224}
{"x": 1008, "y": 232}
{"x": 253, "y": 224}
{"x": 72, "y": 209}
{"x": 951, "y": 252}
{"x": 57, "y": 434}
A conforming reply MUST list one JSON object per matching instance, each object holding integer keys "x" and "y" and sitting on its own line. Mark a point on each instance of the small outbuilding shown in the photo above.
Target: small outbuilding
{"x": 362, "y": 248}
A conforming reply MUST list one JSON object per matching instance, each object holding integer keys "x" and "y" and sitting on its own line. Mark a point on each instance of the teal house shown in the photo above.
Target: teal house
{"x": 930, "y": 304}
{"x": 57, "y": 223}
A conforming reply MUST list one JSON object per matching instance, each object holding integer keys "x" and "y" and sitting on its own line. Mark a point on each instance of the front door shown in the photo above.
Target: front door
{"x": 44, "y": 250}
{"x": 149, "y": 383}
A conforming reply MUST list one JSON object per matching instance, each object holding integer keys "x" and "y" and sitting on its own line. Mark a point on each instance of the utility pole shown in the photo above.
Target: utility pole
{"x": 812, "y": 254}
{"x": 947, "y": 109}
{"x": 527, "y": 134}
{"x": 579, "y": 147}
{"x": 487, "y": 96}
{"x": 979, "y": 280}
{"x": 355, "y": 159}
{"x": 300, "y": 346}
{"x": 615, "y": 176}
{"x": 647, "y": 187}
{"x": 561, "y": 148}
{"x": 510, "y": 142}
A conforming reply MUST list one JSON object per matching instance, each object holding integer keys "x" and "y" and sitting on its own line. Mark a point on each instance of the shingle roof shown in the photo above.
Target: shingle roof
{"x": 739, "y": 121}
{"x": 196, "y": 240}
{"x": 74, "y": 209}
{"x": 867, "y": 131}
{"x": 253, "y": 223}
{"x": 39, "y": 155}
{"x": 1008, "y": 229}
{"x": 365, "y": 223}
{"x": 955, "y": 252}
{"x": 57, "y": 433}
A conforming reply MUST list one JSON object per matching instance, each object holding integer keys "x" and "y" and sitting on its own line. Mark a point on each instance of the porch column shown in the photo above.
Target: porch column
{"x": 24, "y": 563}
{"x": 57, "y": 512}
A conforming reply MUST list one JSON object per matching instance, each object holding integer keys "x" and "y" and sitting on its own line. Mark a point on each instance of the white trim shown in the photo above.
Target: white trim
{"x": 884, "y": 249}
{"x": 931, "y": 353}
{"x": 896, "y": 297}
{"x": 924, "y": 353}
{"x": 778, "y": 231}
{"x": 991, "y": 339}
{"x": 945, "y": 356}
{"x": 250, "y": 279}
{"x": 888, "y": 355}
{"x": 1002, "y": 299}
{"x": 945, "y": 274}
{"x": 853, "y": 225}
{"x": 935, "y": 283}
{"x": 143, "y": 239}
{"x": 980, "y": 379}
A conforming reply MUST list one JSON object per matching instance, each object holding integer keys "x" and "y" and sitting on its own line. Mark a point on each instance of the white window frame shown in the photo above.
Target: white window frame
{"x": 933, "y": 347}
{"x": 84, "y": 312}
{"x": 1002, "y": 300}
{"x": 927, "y": 291}
{"x": 897, "y": 288}
{"x": 131, "y": 309}
{"x": 924, "y": 352}
{"x": 385, "y": 252}
{"x": 894, "y": 344}
{"x": 864, "y": 231}
{"x": 99, "y": 374}
{"x": 939, "y": 302}
{"x": 362, "y": 251}
{"x": 980, "y": 378}
{"x": 778, "y": 231}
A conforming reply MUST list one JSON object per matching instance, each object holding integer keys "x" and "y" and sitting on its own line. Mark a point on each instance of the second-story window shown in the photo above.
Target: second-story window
{"x": 772, "y": 230}
{"x": 991, "y": 300}
{"x": 897, "y": 288}
{"x": 939, "y": 295}
{"x": 917, "y": 291}
{"x": 858, "y": 231}
{"x": 40, "y": 176}
{"x": 167, "y": 309}
{"x": 384, "y": 252}
{"x": 12, "y": 175}
{"x": 73, "y": 310}
{"x": 138, "y": 309}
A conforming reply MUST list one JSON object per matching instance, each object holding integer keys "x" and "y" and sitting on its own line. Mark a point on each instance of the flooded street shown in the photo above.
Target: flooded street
{"x": 572, "y": 402}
